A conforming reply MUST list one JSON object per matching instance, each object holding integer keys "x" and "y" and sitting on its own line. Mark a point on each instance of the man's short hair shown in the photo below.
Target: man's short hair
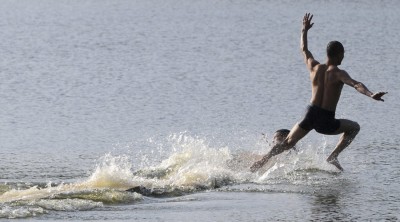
{"x": 282, "y": 131}
{"x": 334, "y": 48}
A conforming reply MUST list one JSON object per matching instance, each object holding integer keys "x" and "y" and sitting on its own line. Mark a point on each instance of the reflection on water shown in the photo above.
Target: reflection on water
{"x": 328, "y": 208}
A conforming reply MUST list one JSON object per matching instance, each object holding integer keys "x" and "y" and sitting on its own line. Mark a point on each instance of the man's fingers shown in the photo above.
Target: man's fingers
{"x": 378, "y": 96}
{"x": 307, "y": 17}
{"x": 382, "y": 94}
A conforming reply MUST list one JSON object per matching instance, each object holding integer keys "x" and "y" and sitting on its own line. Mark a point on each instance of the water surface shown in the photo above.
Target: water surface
{"x": 101, "y": 96}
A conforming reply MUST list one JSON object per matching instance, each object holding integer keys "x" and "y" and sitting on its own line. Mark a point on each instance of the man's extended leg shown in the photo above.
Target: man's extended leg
{"x": 296, "y": 134}
{"x": 349, "y": 129}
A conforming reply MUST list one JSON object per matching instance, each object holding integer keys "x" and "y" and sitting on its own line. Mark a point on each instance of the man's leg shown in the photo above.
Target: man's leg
{"x": 296, "y": 134}
{"x": 349, "y": 129}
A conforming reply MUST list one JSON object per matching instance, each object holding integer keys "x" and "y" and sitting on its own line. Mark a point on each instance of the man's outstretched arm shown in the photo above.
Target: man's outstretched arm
{"x": 276, "y": 149}
{"x": 308, "y": 57}
{"x": 360, "y": 87}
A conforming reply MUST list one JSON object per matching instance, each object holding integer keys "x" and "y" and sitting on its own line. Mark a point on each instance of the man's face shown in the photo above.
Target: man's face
{"x": 278, "y": 138}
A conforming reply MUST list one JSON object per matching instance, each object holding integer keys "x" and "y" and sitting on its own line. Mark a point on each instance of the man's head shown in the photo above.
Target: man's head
{"x": 280, "y": 136}
{"x": 335, "y": 51}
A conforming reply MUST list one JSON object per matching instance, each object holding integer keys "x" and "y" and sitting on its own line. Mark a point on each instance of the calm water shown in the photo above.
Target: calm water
{"x": 101, "y": 96}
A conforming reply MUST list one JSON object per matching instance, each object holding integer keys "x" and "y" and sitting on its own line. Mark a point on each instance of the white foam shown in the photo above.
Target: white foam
{"x": 20, "y": 212}
{"x": 66, "y": 204}
{"x": 193, "y": 164}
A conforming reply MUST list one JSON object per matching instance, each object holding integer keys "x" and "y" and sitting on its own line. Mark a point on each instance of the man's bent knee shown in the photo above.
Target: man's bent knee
{"x": 355, "y": 128}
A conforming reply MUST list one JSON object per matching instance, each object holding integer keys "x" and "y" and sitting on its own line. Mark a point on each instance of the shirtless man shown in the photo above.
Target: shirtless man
{"x": 327, "y": 81}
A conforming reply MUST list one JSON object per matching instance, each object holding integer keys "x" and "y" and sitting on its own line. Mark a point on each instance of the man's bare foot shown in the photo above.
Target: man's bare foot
{"x": 335, "y": 162}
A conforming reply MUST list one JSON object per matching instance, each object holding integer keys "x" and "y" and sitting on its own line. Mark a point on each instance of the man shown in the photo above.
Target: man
{"x": 327, "y": 81}
{"x": 280, "y": 136}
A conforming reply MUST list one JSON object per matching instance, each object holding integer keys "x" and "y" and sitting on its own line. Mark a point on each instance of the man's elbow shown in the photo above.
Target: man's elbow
{"x": 306, "y": 61}
{"x": 305, "y": 55}
{"x": 357, "y": 85}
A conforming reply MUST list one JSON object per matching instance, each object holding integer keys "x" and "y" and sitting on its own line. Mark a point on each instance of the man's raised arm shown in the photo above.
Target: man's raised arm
{"x": 308, "y": 57}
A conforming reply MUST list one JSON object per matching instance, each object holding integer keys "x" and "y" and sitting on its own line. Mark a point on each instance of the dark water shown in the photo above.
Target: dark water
{"x": 97, "y": 97}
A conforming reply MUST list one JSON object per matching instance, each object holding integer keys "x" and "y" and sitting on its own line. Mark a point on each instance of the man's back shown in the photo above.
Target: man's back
{"x": 326, "y": 86}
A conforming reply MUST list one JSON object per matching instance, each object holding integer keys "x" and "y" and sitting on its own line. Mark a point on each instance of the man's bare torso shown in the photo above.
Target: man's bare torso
{"x": 326, "y": 86}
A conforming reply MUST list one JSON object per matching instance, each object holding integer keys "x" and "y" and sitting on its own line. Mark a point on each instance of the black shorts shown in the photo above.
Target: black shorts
{"x": 322, "y": 120}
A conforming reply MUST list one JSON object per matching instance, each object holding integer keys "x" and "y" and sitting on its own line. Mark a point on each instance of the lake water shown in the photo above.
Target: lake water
{"x": 98, "y": 97}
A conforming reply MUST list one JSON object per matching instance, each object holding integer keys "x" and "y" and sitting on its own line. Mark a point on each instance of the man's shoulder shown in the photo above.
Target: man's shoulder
{"x": 336, "y": 74}
{"x": 336, "y": 70}
{"x": 341, "y": 75}
{"x": 341, "y": 72}
{"x": 319, "y": 68}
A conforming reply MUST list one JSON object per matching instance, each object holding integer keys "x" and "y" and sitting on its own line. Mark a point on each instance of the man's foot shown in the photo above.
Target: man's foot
{"x": 334, "y": 161}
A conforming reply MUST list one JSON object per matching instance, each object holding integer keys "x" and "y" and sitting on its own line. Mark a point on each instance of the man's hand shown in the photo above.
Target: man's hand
{"x": 378, "y": 96}
{"x": 307, "y": 22}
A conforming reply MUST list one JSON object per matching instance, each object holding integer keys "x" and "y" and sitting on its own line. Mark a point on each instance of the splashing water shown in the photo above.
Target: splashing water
{"x": 193, "y": 164}
{"x": 112, "y": 172}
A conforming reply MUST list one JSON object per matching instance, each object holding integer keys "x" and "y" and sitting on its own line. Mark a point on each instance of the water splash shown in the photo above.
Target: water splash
{"x": 112, "y": 172}
{"x": 193, "y": 164}
{"x": 12, "y": 212}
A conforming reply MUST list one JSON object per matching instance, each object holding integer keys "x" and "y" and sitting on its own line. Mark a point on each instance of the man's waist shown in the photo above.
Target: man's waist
{"x": 321, "y": 109}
